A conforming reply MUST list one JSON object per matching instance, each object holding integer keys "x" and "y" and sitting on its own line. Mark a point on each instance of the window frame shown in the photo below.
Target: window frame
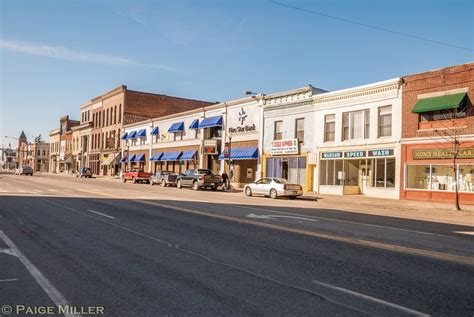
{"x": 275, "y": 123}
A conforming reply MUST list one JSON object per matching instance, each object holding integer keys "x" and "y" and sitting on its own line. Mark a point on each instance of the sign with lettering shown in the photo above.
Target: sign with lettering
{"x": 242, "y": 129}
{"x": 331, "y": 155}
{"x": 427, "y": 154}
{"x": 381, "y": 152}
{"x": 289, "y": 146}
{"x": 209, "y": 147}
{"x": 354, "y": 154}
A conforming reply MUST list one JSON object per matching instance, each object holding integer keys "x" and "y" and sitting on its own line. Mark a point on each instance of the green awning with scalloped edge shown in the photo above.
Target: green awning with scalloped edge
{"x": 440, "y": 103}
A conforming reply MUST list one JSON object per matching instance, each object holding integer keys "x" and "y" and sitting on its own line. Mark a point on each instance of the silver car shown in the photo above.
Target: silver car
{"x": 273, "y": 187}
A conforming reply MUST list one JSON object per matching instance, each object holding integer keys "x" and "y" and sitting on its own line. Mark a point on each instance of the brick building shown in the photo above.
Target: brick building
{"x": 120, "y": 106}
{"x": 437, "y": 123}
{"x": 60, "y": 152}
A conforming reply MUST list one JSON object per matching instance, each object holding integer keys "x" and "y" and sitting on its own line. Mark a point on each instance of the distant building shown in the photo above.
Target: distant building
{"x": 8, "y": 159}
{"x": 60, "y": 155}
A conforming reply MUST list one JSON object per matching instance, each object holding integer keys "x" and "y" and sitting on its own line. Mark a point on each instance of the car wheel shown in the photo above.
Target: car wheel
{"x": 213, "y": 188}
{"x": 273, "y": 193}
{"x": 134, "y": 180}
{"x": 292, "y": 197}
{"x": 195, "y": 185}
{"x": 163, "y": 183}
{"x": 248, "y": 191}
{"x": 179, "y": 185}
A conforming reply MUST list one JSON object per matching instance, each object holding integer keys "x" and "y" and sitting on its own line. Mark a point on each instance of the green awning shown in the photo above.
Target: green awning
{"x": 439, "y": 103}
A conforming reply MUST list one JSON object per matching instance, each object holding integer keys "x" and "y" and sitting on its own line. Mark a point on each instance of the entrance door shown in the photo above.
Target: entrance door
{"x": 365, "y": 173}
{"x": 284, "y": 169}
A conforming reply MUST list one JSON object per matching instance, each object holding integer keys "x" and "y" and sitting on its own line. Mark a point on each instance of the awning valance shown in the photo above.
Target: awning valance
{"x": 138, "y": 158}
{"x": 171, "y": 156}
{"x": 189, "y": 155}
{"x": 132, "y": 135}
{"x": 194, "y": 125}
{"x": 156, "y": 156}
{"x": 141, "y": 133}
{"x": 124, "y": 136}
{"x": 241, "y": 153}
{"x": 132, "y": 158}
{"x": 155, "y": 131}
{"x": 440, "y": 103}
{"x": 176, "y": 127}
{"x": 211, "y": 122}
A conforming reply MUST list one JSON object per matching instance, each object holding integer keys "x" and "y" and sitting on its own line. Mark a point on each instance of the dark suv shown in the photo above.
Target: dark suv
{"x": 84, "y": 172}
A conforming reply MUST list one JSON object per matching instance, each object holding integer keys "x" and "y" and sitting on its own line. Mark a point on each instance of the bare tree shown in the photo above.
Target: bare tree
{"x": 451, "y": 132}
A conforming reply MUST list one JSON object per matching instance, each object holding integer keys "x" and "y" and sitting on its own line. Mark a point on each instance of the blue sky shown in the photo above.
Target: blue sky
{"x": 56, "y": 55}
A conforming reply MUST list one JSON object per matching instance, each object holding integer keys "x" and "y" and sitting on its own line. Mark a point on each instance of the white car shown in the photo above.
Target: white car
{"x": 273, "y": 187}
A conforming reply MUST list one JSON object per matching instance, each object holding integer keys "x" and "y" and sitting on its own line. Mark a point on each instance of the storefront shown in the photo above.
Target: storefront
{"x": 175, "y": 161}
{"x": 241, "y": 162}
{"x": 430, "y": 172}
{"x": 370, "y": 172}
{"x": 210, "y": 145}
{"x": 287, "y": 162}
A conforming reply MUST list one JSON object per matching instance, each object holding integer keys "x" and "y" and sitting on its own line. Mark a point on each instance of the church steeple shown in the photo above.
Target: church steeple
{"x": 22, "y": 135}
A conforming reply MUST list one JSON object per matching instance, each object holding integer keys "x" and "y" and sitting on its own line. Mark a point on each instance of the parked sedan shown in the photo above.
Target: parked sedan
{"x": 24, "y": 170}
{"x": 164, "y": 178}
{"x": 273, "y": 187}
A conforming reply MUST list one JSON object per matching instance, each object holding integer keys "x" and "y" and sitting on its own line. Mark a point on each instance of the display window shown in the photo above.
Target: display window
{"x": 439, "y": 177}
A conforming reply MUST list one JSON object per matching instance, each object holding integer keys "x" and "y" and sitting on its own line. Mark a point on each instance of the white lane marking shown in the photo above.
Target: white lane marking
{"x": 471, "y": 233}
{"x": 57, "y": 298}
{"x": 9, "y": 280}
{"x": 372, "y": 299}
{"x": 253, "y": 216}
{"x": 99, "y": 213}
{"x": 8, "y": 251}
{"x": 52, "y": 190}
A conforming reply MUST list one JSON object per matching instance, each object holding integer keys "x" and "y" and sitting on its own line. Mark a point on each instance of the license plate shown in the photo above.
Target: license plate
{"x": 212, "y": 184}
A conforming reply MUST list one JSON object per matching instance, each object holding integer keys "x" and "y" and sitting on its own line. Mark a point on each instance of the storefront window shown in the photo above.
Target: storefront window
{"x": 293, "y": 168}
{"x": 351, "y": 171}
{"x": 442, "y": 177}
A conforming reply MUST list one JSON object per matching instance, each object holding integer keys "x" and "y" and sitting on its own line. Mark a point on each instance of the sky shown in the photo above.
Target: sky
{"x": 57, "y": 55}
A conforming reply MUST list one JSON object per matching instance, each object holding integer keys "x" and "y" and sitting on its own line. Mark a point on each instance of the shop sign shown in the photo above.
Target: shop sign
{"x": 354, "y": 154}
{"x": 382, "y": 152}
{"x": 247, "y": 128}
{"x": 331, "y": 155}
{"x": 441, "y": 154}
{"x": 289, "y": 146}
{"x": 209, "y": 147}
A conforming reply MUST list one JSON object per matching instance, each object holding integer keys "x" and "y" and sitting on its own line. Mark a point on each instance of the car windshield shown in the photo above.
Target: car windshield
{"x": 280, "y": 181}
{"x": 206, "y": 172}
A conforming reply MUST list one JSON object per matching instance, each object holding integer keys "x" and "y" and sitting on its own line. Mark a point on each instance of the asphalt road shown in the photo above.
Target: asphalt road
{"x": 137, "y": 250}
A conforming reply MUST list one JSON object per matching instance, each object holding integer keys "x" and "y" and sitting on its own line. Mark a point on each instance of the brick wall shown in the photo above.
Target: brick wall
{"x": 450, "y": 78}
{"x": 140, "y": 105}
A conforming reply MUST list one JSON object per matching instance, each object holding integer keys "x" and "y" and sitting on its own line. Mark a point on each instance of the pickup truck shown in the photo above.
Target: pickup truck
{"x": 199, "y": 178}
{"x": 164, "y": 178}
{"x": 136, "y": 175}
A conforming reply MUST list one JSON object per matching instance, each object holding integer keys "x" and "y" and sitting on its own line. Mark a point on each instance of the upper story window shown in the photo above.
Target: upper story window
{"x": 278, "y": 130}
{"x": 329, "y": 127}
{"x": 355, "y": 125}
{"x": 445, "y": 107}
{"x": 385, "y": 121}
{"x": 299, "y": 130}
{"x": 215, "y": 132}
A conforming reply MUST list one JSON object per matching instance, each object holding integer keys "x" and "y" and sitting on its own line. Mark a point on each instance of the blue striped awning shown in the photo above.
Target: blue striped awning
{"x": 132, "y": 135}
{"x": 141, "y": 133}
{"x": 132, "y": 158}
{"x": 138, "y": 158}
{"x": 124, "y": 136}
{"x": 242, "y": 153}
{"x": 189, "y": 155}
{"x": 155, "y": 131}
{"x": 156, "y": 156}
{"x": 171, "y": 156}
{"x": 194, "y": 125}
{"x": 176, "y": 127}
{"x": 124, "y": 160}
{"x": 211, "y": 122}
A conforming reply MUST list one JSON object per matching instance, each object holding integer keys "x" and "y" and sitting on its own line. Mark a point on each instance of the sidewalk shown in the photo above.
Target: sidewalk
{"x": 406, "y": 209}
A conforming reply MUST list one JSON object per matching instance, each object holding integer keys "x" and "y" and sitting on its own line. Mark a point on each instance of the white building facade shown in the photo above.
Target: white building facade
{"x": 356, "y": 140}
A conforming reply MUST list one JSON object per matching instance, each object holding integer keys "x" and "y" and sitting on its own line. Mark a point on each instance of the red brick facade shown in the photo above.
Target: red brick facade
{"x": 419, "y": 136}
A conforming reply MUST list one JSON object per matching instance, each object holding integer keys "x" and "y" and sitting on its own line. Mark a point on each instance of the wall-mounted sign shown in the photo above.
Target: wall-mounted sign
{"x": 247, "y": 128}
{"x": 209, "y": 147}
{"x": 354, "y": 154}
{"x": 381, "y": 152}
{"x": 427, "y": 154}
{"x": 289, "y": 146}
{"x": 357, "y": 154}
{"x": 331, "y": 155}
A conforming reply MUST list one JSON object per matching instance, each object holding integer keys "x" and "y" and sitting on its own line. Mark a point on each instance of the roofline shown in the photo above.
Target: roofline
{"x": 437, "y": 69}
{"x": 344, "y": 91}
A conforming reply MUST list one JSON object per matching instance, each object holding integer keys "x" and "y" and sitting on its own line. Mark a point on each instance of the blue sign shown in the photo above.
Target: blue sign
{"x": 354, "y": 154}
{"x": 381, "y": 152}
{"x": 331, "y": 155}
